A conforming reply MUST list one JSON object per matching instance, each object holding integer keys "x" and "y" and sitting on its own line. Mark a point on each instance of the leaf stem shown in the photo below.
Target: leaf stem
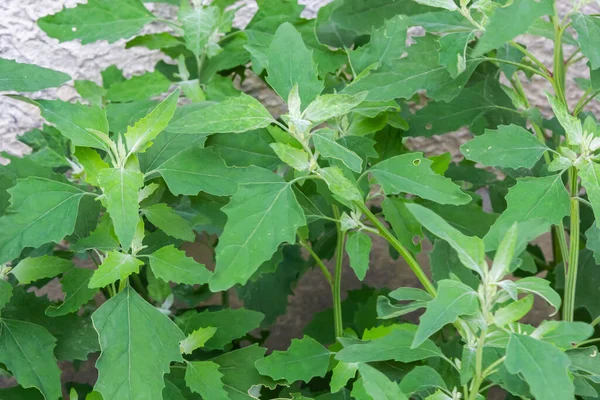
{"x": 337, "y": 282}
{"x": 571, "y": 281}
{"x": 410, "y": 260}
{"x": 579, "y": 107}
{"x": 522, "y": 66}
{"x": 479, "y": 374}
{"x": 319, "y": 262}
{"x": 530, "y": 55}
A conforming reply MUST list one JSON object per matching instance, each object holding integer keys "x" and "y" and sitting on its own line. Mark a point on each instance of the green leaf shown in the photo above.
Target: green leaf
{"x": 303, "y": 360}
{"x": 386, "y": 46}
{"x": 236, "y": 115}
{"x": 27, "y": 350}
{"x": 170, "y": 264}
{"x": 230, "y": 324}
{"x": 453, "y": 52}
{"x": 590, "y": 179}
{"x": 6, "y": 291}
{"x": 536, "y": 202}
{"x": 295, "y": 158}
{"x": 109, "y": 20}
{"x": 572, "y": 125}
{"x": 166, "y": 219}
{"x": 102, "y": 238}
{"x": 204, "y": 378}
{"x": 41, "y": 211}
{"x": 339, "y": 185}
{"x": 540, "y": 287}
{"x": 196, "y": 339}
{"x": 32, "y": 269}
{"x": 404, "y": 224}
{"x": 330, "y": 106}
{"x": 508, "y": 147}
{"x": 116, "y": 266}
{"x": 90, "y": 92}
{"x": 120, "y": 187}
{"x": 394, "y": 346}
{"x": 358, "y": 247}
{"x": 447, "y": 4}
{"x": 291, "y": 62}
{"x": 513, "y": 311}
{"x": 342, "y": 373}
{"x": 510, "y": 21}
{"x": 470, "y": 249}
{"x": 564, "y": 334}
{"x": 75, "y": 284}
{"x": 134, "y": 336}
{"x": 199, "y": 24}
{"x": 411, "y": 173}
{"x": 588, "y": 32}
{"x": 139, "y": 87}
{"x": 379, "y": 386}
{"x": 421, "y": 378}
{"x": 140, "y": 136}
{"x": 453, "y": 300}
{"x": 544, "y": 367}
{"x": 251, "y": 148}
{"x": 445, "y": 264}
{"x": 92, "y": 164}
{"x": 28, "y": 77}
{"x": 260, "y": 216}
{"x": 504, "y": 256}
{"x": 328, "y": 147}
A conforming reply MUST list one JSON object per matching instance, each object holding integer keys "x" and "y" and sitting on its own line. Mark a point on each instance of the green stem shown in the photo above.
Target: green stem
{"x": 319, "y": 262}
{"x": 522, "y": 66}
{"x": 584, "y": 103}
{"x": 571, "y": 283}
{"x": 558, "y": 78}
{"x": 337, "y": 282}
{"x": 530, "y": 55}
{"x": 410, "y": 260}
{"x": 479, "y": 376}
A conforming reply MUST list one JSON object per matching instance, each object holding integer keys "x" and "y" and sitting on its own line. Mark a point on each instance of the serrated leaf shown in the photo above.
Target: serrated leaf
{"x": 588, "y": 32}
{"x": 91, "y": 162}
{"x": 536, "y": 202}
{"x": 41, "y": 211}
{"x": 103, "y": 238}
{"x": 544, "y": 367}
{"x": 572, "y": 125}
{"x": 303, "y": 360}
{"x": 116, "y": 266}
{"x": 28, "y": 77}
{"x": 204, "y": 378}
{"x": 411, "y": 173}
{"x": 421, "y": 378}
{"x": 510, "y": 21}
{"x": 394, "y": 346}
{"x": 27, "y": 350}
{"x": 510, "y": 146}
{"x": 109, "y": 20}
{"x": 329, "y": 106}
{"x": 32, "y": 269}
{"x": 251, "y": 148}
{"x": 453, "y": 300}
{"x": 295, "y": 158}
{"x": 171, "y": 264}
{"x": 260, "y": 216}
{"x": 453, "y": 51}
{"x": 291, "y": 62}
{"x": 6, "y": 291}
{"x": 199, "y": 24}
{"x": 470, "y": 249}
{"x": 75, "y": 284}
{"x": 378, "y": 386}
{"x": 140, "y": 136}
{"x": 134, "y": 336}
{"x": 358, "y": 247}
{"x": 196, "y": 339}
{"x": 139, "y": 87}
{"x": 342, "y": 373}
{"x": 166, "y": 219}
{"x": 235, "y": 115}
{"x": 328, "y": 147}
{"x": 120, "y": 187}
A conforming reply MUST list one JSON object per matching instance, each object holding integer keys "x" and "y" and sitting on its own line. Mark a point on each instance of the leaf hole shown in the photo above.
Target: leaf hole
{"x": 429, "y": 127}
{"x": 416, "y": 161}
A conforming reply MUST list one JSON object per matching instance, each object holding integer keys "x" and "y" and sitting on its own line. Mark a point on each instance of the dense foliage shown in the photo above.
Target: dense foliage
{"x": 119, "y": 186}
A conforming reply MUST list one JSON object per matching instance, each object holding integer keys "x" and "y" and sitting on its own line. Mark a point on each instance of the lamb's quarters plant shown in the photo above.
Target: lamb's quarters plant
{"x": 122, "y": 187}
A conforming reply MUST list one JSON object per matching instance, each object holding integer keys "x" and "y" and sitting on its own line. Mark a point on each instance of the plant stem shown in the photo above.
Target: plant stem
{"x": 585, "y": 102}
{"x": 479, "y": 376}
{"x": 571, "y": 281}
{"x": 410, "y": 260}
{"x": 337, "y": 282}
{"x": 530, "y": 55}
{"x": 522, "y": 66}
{"x": 319, "y": 262}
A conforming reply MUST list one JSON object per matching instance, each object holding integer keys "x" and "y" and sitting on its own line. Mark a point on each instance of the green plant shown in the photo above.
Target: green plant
{"x": 118, "y": 189}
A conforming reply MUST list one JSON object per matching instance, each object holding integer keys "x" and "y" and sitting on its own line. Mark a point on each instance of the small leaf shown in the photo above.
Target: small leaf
{"x": 139, "y": 87}
{"x": 544, "y": 367}
{"x": 563, "y": 334}
{"x": 236, "y": 114}
{"x": 540, "y": 287}
{"x": 358, "y": 247}
{"x": 172, "y": 265}
{"x": 204, "y": 378}
{"x": 196, "y": 339}
{"x": 326, "y": 144}
{"x": 379, "y": 386}
{"x": 28, "y": 77}
{"x": 295, "y": 158}
{"x": 404, "y": 224}
{"x": 572, "y": 125}
{"x": 6, "y": 291}
{"x": 421, "y": 378}
{"x": 92, "y": 164}
{"x": 303, "y": 360}
{"x": 134, "y": 336}
{"x": 590, "y": 179}
{"x": 32, "y": 269}
{"x": 452, "y": 300}
{"x": 166, "y": 219}
{"x": 116, "y": 266}
{"x": 514, "y": 311}
{"x": 342, "y": 373}
{"x": 508, "y": 147}
{"x": 504, "y": 256}
{"x": 199, "y": 25}
{"x": 453, "y": 51}
{"x": 339, "y": 185}
{"x": 329, "y": 106}
{"x": 588, "y": 32}
{"x": 411, "y": 173}
{"x": 75, "y": 285}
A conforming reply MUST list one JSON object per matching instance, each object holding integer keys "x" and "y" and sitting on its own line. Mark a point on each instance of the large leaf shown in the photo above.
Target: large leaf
{"x": 452, "y": 300}
{"x": 303, "y": 360}
{"x": 34, "y": 268}
{"x": 260, "y": 216}
{"x": 508, "y": 22}
{"x": 251, "y": 148}
{"x": 116, "y": 266}
{"x": 167, "y": 220}
{"x": 120, "y": 187}
{"x": 77, "y": 293}
{"x": 236, "y": 114}
{"x": 535, "y": 202}
{"x": 27, "y": 350}
{"x": 411, "y": 173}
{"x": 421, "y": 378}
{"x": 204, "y": 378}
{"x": 139, "y": 87}
{"x": 290, "y": 63}
{"x": 588, "y": 34}
{"x": 329, "y": 106}
{"x": 41, "y": 211}
{"x": 28, "y": 77}
{"x": 405, "y": 226}
{"x": 109, "y": 20}
{"x": 543, "y": 366}
{"x": 378, "y": 386}
{"x": 328, "y": 147}
{"x": 138, "y": 345}
{"x": 199, "y": 24}
{"x": 508, "y": 147}
{"x": 470, "y": 249}
{"x": 171, "y": 264}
